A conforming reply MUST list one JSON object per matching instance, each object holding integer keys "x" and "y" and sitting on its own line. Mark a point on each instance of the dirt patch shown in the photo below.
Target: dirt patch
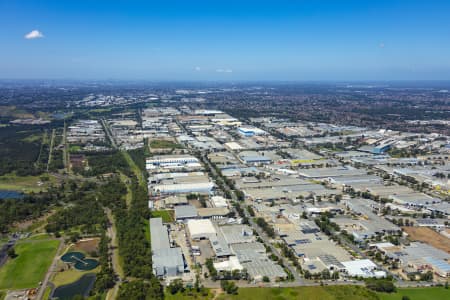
{"x": 429, "y": 236}
{"x": 87, "y": 245}
{"x": 216, "y": 293}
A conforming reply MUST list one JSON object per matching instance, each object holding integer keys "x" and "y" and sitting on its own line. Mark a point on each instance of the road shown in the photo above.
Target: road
{"x": 111, "y": 233}
{"x": 50, "y": 151}
{"x": 260, "y": 232}
{"x": 65, "y": 149}
{"x": 298, "y": 279}
{"x": 108, "y": 133}
{"x": 45, "y": 282}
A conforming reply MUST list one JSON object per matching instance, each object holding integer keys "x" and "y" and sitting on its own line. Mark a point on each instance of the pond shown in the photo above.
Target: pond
{"x": 7, "y": 194}
{"x": 79, "y": 261}
{"x": 80, "y": 287}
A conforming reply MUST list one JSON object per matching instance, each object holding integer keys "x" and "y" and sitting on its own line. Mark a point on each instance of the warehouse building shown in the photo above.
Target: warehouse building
{"x": 196, "y": 187}
{"x": 167, "y": 261}
{"x": 362, "y": 268}
{"x": 201, "y": 229}
{"x": 185, "y": 212}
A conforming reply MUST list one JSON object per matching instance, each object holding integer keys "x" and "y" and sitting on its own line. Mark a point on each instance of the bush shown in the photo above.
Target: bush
{"x": 229, "y": 287}
{"x": 381, "y": 285}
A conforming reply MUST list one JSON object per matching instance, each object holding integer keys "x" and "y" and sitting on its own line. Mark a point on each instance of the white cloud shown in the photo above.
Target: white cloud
{"x": 197, "y": 69}
{"x": 224, "y": 71}
{"x": 34, "y": 34}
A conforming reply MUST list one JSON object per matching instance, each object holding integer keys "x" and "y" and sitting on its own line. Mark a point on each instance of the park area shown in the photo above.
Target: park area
{"x": 34, "y": 257}
{"x": 164, "y": 144}
{"x": 429, "y": 236}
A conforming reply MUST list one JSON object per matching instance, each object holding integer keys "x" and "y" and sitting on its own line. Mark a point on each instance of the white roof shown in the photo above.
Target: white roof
{"x": 360, "y": 267}
{"x": 233, "y": 146}
{"x": 219, "y": 201}
{"x": 229, "y": 265}
{"x": 201, "y": 227}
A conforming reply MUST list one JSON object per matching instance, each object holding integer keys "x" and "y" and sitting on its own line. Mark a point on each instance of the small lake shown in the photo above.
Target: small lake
{"x": 80, "y": 287}
{"x": 7, "y": 194}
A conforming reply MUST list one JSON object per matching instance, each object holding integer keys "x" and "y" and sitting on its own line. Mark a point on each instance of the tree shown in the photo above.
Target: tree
{"x": 266, "y": 279}
{"x": 176, "y": 286}
{"x": 405, "y": 297}
{"x": 12, "y": 253}
{"x": 381, "y": 285}
{"x": 229, "y": 287}
{"x": 428, "y": 276}
{"x": 326, "y": 274}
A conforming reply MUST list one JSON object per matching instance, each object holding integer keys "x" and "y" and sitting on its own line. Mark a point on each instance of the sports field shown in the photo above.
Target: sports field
{"x": 429, "y": 293}
{"x": 29, "y": 267}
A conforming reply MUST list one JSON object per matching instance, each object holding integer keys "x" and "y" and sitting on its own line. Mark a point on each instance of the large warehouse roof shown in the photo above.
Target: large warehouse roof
{"x": 185, "y": 212}
{"x": 158, "y": 232}
{"x": 201, "y": 228}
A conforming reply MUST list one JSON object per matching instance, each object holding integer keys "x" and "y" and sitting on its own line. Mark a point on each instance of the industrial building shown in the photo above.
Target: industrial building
{"x": 185, "y": 212}
{"x": 167, "y": 261}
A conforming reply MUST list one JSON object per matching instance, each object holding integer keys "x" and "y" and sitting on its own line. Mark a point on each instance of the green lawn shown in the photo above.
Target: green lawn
{"x": 39, "y": 237}
{"x": 135, "y": 169}
{"x": 187, "y": 296}
{"x": 306, "y": 292}
{"x": 24, "y": 183}
{"x": 429, "y": 293}
{"x": 164, "y": 144}
{"x": 74, "y": 148}
{"x": 166, "y": 215}
{"x": 47, "y": 293}
{"x": 29, "y": 267}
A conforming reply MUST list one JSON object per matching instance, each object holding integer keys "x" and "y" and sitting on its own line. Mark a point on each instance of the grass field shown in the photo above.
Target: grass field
{"x": 24, "y": 183}
{"x": 69, "y": 276}
{"x": 166, "y": 215}
{"x": 47, "y": 293}
{"x": 135, "y": 169}
{"x": 306, "y": 292}
{"x": 164, "y": 144}
{"x": 29, "y": 267}
{"x": 39, "y": 237}
{"x": 74, "y": 148}
{"x": 186, "y": 296}
{"x": 429, "y": 293}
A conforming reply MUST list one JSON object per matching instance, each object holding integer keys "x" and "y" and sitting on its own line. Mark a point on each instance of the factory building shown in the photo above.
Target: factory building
{"x": 167, "y": 261}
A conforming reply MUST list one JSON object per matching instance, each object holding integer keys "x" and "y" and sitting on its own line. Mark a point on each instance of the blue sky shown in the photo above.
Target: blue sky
{"x": 226, "y": 40}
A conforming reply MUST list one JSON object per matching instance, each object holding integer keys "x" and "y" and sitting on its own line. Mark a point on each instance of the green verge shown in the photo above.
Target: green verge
{"x": 426, "y": 293}
{"x": 343, "y": 292}
{"x": 166, "y": 215}
{"x": 29, "y": 267}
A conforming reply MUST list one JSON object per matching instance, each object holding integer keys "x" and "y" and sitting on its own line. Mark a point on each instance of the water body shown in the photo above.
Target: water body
{"x": 79, "y": 261}
{"x": 80, "y": 287}
{"x": 7, "y": 194}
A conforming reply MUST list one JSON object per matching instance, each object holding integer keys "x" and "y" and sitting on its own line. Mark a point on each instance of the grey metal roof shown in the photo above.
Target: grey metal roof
{"x": 185, "y": 211}
{"x": 159, "y": 235}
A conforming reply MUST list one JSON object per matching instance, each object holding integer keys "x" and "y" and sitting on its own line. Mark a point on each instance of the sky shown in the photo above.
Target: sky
{"x": 225, "y": 40}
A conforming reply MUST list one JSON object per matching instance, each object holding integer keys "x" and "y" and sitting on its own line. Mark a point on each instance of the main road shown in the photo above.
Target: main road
{"x": 298, "y": 279}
